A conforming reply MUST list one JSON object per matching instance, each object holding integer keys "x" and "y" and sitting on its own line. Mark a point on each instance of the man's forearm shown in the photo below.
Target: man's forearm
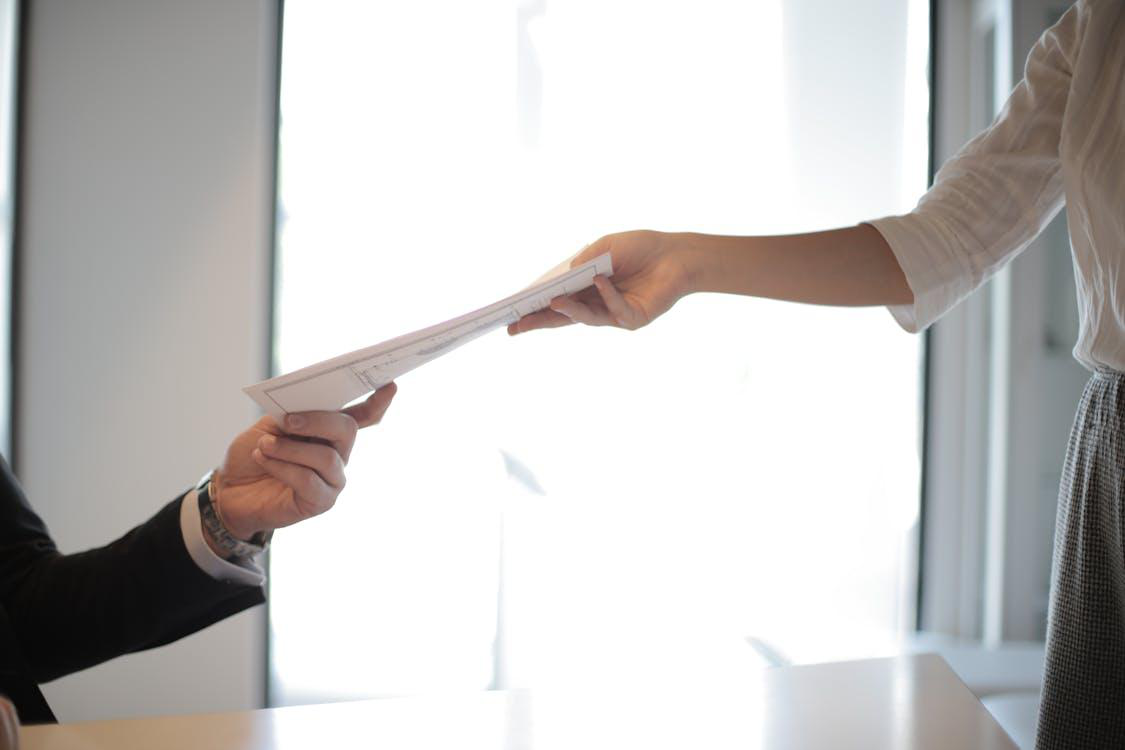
{"x": 142, "y": 590}
{"x": 848, "y": 267}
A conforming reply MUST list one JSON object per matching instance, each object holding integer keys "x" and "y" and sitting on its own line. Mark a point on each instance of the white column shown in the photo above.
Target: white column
{"x": 147, "y": 209}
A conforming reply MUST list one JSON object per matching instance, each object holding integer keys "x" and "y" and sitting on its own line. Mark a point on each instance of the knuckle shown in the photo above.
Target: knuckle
{"x": 325, "y": 460}
{"x": 307, "y": 484}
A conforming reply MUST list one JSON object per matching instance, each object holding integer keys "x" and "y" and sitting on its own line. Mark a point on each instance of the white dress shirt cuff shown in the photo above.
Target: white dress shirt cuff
{"x": 244, "y": 572}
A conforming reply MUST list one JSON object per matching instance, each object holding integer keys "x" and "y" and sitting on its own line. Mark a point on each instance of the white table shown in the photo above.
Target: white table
{"x": 906, "y": 702}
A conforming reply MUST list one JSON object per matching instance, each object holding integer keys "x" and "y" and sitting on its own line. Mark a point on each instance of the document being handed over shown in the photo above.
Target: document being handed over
{"x": 335, "y": 382}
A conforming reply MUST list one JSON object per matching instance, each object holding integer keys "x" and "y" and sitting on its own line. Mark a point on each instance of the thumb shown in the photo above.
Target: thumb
{"x": 598, "y": 247}
{"x": 371, "y": 411}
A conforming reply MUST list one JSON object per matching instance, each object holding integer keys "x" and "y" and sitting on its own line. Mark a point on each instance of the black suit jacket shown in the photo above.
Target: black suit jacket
{"x": 62, "y": 613}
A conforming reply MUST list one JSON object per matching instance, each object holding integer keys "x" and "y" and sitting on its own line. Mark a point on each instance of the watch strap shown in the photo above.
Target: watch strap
{"x": 219, "y": 533}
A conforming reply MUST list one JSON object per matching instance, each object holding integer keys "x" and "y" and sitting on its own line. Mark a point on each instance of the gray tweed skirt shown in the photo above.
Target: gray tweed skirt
{"x": 1083, "y": 703}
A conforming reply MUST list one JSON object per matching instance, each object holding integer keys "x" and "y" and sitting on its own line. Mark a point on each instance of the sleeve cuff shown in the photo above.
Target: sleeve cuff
{"x": 245, "y": 572}
{"x": 927, "y": 254}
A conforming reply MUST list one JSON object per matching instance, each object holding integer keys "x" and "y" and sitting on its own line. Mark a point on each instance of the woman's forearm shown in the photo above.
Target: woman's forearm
{"x": 852, "y": 266}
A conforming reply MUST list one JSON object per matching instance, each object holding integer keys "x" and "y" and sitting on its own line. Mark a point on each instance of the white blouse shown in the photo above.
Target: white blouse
{"x": 1059, "y": 139}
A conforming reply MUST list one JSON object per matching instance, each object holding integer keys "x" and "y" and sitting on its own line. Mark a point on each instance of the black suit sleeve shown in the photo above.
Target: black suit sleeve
{"x": 70, "y": 612}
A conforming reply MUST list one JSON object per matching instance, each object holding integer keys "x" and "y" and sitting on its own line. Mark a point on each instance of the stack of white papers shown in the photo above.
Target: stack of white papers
{"x": 335, "y": 382}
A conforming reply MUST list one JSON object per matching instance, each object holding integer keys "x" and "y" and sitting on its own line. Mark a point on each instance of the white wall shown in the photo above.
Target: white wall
{"x": 146, "y": 213}
{"x": 9, "y": 22}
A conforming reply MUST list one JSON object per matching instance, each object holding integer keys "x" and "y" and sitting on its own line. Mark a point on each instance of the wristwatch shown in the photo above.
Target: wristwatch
{"x": 225, "y": 540}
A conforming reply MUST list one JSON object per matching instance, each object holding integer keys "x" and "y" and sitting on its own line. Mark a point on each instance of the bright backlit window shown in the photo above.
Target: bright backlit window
{"x": 587, "y": 506}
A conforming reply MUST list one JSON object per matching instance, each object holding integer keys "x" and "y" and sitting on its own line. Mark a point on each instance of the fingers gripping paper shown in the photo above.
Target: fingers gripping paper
{"x": 331, "y": 384}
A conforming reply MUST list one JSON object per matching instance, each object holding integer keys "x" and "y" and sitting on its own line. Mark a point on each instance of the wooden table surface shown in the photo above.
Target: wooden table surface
{"x": 905, "y": 702}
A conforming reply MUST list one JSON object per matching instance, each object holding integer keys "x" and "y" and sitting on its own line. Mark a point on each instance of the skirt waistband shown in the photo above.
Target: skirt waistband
{"x": 1108, "y": 374}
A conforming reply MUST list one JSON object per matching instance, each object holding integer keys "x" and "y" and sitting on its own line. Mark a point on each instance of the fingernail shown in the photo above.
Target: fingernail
{"x": 257, "y": 455}
{"x": 269, "y": 442}
{"x": 295, "y": 421}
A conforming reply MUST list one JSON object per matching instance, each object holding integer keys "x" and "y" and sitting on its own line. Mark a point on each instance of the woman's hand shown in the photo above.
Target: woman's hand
{"x": 651, "y": 272}
{"x": 273, "y": 477}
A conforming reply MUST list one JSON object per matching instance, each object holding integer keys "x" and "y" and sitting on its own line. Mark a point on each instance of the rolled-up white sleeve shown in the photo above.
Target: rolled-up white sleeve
{"x": 934, "y": 265}
{"x": 996, "y": 194}
{"x": 244, "y": 571}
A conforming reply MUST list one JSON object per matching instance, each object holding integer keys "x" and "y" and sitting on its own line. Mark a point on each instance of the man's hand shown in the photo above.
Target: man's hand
{"x": 276, "y": 476}
{"x": 651, "y": 272}
{"x": 9, "y": 725}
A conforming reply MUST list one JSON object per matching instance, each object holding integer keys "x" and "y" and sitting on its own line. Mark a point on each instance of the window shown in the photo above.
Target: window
{"x": 589, "y": 505}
